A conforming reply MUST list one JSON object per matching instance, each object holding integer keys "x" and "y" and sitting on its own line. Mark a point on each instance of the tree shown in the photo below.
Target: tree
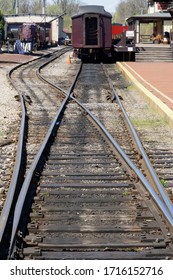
{"x": 2, "y": 22}
{"x": 54, "y": 7}
{"x": 67, "y": 6}
{"x": 35, "y": 6}
{"x": 127, "y": 8}
{"x": 7, "y": 6}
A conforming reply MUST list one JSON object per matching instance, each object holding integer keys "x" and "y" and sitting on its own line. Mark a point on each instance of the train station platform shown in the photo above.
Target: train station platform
{"x": 155, "y": 82}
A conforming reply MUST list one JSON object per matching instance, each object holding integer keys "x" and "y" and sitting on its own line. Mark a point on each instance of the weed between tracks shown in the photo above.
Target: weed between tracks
{"x": 149, "y": 123}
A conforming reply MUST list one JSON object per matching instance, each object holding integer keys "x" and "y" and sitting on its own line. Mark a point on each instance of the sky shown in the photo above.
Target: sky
{"x": 109, "y": 5}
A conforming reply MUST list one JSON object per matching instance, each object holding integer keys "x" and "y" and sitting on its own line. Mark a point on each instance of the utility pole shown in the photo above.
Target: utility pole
{"x": 17, "y": 7}
{"x": 44, "y": 7}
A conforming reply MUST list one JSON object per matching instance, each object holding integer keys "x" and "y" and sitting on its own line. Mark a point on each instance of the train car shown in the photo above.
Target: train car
{"x": 117, "y": 30}
{"x": 123, "y": 41}
{"x": 92, "y": 32}
{"x": 28, "y": 35}
{"x": 42, "y": 37}
{"x": 32, "y": 36}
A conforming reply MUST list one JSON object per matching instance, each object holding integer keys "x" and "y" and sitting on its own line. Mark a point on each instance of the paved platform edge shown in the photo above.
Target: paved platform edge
{"x": 155, "y": 103}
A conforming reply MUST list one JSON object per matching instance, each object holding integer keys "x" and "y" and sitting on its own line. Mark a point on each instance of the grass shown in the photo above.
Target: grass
{"x": 125, "y": 193}
{"x": 150, "y": 123}
{"x": 163, "y": 182}
{"x": 1, "y": 134}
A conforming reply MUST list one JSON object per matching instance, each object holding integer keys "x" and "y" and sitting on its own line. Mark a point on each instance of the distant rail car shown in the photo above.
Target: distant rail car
{"x": 92, "y": 33}
{"x": 118, "y": 29}
{"x": 32, "y": 36}
{"x": 35, "y": 34}
{"x": 123, "y": 41}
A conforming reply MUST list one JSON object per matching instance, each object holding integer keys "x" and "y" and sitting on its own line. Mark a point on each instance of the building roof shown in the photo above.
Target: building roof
{"x": 28, "y": 18}
{"x": 150, "y": 17}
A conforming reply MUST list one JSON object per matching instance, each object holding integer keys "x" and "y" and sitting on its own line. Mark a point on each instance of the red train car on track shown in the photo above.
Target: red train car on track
{"x": 32, "y": 34}
{"x": 92, "y": 32}
{"x": 123, "y": 41}
{"x": 118, "y": 29}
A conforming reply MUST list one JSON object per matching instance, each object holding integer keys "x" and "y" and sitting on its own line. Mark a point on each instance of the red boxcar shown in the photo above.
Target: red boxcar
{"x": 118, "y": 29}
{"x": 91, "y": 31}
{"x": 28, "y": 32}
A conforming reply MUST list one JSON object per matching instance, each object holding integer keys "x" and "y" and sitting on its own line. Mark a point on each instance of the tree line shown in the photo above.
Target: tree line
{"x": 128, "y": 8}
{"x": 124, "y": 9}
{"x": 53, "y": 7}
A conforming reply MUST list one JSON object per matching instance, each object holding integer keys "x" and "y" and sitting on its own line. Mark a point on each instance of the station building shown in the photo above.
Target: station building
{"x": 157, "y": 21}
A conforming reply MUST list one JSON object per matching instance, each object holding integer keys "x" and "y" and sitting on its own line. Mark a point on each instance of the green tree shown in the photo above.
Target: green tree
{"x": 7, "y": 6}
{"x": 35, "y": 6}
{"x": 67, "y": 6}
{"x": 127, "y": 8}
{"x": 2, "y": 22}
{"x": 53, "y": 7}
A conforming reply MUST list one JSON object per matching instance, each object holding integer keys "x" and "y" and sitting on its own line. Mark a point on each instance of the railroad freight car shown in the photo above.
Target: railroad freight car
{"x": 32, "y": 36}
{"x": 123, "y": 41}
{"x": 117, "y": 30}
{"x": 28, "y": 35}
{"x": 92, "y": 33}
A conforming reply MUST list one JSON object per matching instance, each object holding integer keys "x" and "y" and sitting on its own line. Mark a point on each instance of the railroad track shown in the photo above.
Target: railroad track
{"x": 37, "y": 113}
{"x": 86, "y": 195}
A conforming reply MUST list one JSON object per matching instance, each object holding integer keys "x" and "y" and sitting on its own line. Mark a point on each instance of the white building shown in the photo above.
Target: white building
{"x": 53, "y": 25}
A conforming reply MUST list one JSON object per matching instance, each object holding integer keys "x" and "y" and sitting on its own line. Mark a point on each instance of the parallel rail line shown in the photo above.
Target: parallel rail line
{"x": 25, "y": 99}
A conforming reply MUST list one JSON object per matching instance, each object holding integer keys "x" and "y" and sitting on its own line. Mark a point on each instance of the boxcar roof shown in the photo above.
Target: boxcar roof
{"x": 92, "y": 9}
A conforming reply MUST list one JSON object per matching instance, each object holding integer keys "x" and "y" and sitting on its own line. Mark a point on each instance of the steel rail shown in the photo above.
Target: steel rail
{"x": 132, "y": 166}
{"x": 27, "y": 181}
{"x": 50, "y": 60}
{"x": 26, "y": 184}
{"x": 11, "y": 191}
{"x": 149, "y": 166}
{"x": 50, "y": 83}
